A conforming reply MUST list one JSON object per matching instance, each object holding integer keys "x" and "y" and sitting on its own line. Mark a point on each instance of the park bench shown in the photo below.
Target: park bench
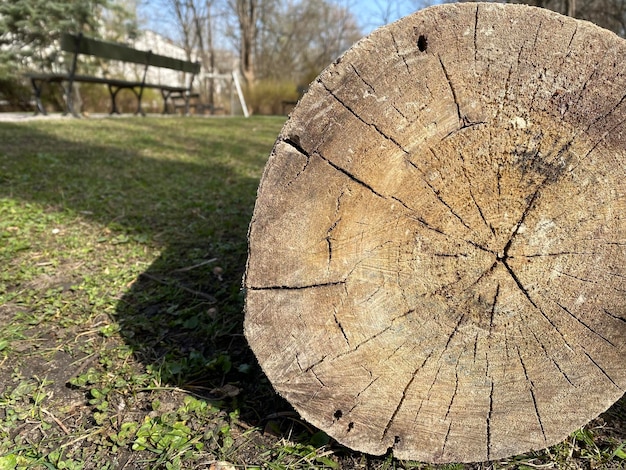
{"x": 79, "y": 44}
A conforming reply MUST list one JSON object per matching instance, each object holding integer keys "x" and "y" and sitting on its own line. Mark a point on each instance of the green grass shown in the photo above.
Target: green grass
{"x": 122, "y": 246}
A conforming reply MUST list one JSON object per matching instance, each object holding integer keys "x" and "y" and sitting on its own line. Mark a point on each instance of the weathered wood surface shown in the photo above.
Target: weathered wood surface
{"x": 438, "y": 250}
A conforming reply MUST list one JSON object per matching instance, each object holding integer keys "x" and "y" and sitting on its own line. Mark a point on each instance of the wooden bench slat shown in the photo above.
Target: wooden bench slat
{"x": 103, "y": 49}
{"x": 121, "y": 52}
{"x": 167, "y": 88}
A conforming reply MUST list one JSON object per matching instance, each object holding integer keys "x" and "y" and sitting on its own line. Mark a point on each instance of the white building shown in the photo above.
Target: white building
{"x": 151, "y": 41}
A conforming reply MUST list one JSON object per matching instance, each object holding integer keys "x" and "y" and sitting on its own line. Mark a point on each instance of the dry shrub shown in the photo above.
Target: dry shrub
{"x": 15, "y": 94}
{"x": 96, "y": 99}
{"x": 271, "y": 97}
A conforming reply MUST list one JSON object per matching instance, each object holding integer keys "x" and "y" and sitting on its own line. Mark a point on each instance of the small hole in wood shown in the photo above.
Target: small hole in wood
{"x": 396, "y": 440}
{"x": 338, "y": 414}
{"x": 350, "y": 426}
{"x": 422, "y": 43}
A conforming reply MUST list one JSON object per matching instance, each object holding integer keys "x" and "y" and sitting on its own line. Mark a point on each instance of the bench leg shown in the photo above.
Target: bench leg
{"x": 113, "y": 93}
{"x": 38, "y": 87}
{"x": 114, "y": 90}
{"x": 166, "y": 96}
{"x": 139, "y": 108}
{"x": 139, "y": 95}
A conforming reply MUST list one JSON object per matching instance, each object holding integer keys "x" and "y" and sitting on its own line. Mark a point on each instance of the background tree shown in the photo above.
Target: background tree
{"x": 247, "y": 14}
{"x": 283, "y": 42}
{"x": 287, "y": 50}
{"x": 186, "y": 15}
{"x": 28, "y": 27}
{"x": 118, "y": 21}
{"x": 204, "y": 18}
{"x": 194, "y": 25}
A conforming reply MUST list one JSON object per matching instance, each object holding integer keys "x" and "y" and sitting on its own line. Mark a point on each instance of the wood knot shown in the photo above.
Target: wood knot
{"x": 422, "y": 43}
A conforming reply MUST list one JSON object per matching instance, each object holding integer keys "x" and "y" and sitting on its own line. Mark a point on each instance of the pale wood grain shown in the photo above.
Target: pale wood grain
{"x": 438, "y": 249}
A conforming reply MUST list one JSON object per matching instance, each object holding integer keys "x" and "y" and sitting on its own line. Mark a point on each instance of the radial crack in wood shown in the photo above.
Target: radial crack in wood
{"x": 437, "y": 253}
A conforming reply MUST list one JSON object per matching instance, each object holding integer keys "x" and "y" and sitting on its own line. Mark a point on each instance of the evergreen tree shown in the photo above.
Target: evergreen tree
{"x": 29, "y": 27}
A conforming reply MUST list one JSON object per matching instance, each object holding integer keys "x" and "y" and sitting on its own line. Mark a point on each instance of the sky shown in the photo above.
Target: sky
{"x": 370, "y": 14}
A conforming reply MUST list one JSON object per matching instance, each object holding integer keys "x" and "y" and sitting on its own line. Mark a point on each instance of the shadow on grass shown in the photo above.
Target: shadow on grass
{"x": 187, "y": 186}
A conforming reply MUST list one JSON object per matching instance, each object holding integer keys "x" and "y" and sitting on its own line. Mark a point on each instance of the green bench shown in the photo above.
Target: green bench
{"x": 81, "y": 45}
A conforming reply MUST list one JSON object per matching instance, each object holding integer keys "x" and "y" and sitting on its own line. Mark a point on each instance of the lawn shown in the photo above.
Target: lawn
{"x": 122, "y": 246}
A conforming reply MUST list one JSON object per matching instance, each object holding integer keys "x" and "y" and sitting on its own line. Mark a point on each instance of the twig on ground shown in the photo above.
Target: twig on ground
{"x": 189, "y": 268}
{"x": 57, "y": 421}
{"x": 87, "y": 361}
{"x": 81, "y": 438}
{"x": 542, "y": 465}
{"x": 202, "y": 295}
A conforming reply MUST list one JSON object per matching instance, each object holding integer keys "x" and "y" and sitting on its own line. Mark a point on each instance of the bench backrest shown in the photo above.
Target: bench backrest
{"x": 79, "y": 44}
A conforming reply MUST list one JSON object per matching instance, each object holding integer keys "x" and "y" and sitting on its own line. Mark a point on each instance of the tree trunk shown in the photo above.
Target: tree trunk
{"x": 247, "y": 15}
{"x": 437, "y": 257}
{"x": 211, "y": 52}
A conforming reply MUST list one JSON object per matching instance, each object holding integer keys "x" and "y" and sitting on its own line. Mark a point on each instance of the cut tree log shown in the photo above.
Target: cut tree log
{"x": 437, "y": 256}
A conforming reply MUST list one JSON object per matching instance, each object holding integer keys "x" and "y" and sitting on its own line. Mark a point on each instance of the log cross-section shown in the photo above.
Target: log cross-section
{"x": 437, "y": 256}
